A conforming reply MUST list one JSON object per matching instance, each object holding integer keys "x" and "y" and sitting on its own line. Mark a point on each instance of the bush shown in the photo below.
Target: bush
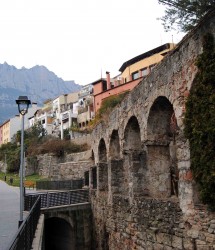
{"x": 57, "y": 147}
{"x": 200, "y": 123}
{"x": 12, "y": 153}
{"x": 109, "y": 103}
{"x": 106, "y": 107}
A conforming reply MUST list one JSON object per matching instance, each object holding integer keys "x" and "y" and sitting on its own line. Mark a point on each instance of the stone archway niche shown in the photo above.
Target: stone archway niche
{"x": 102, "y": 169}
{"x": 115, "y": 168}
{"x": 161, "y": 149}
{"x": 59, "y": 235}
{"x": 134, "y": 161}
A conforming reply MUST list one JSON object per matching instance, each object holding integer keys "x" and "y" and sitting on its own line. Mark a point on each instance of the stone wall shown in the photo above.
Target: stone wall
{"x": 82, "y": 139}
{"x": 151, "y": 224}
{"x": 71, "y": 166}
{"x": 73, "y": 170}
{"x": 142, "y": 191}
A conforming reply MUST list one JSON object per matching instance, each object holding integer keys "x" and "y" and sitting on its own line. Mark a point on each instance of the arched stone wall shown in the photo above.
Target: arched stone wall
{"x": 155, "y": 153}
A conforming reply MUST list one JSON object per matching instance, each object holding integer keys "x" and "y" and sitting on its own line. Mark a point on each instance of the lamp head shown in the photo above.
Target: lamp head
{"x": 23, "y": 104}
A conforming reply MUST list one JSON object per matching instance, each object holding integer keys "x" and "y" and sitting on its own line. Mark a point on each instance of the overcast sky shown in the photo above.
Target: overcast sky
{"x": 79, "y": 39}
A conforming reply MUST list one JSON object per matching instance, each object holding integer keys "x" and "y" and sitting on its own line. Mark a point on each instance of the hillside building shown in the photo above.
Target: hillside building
{"x": 132, "y": 72}
{"x": 10, "y": 127}
{"x": 85, "y": 106}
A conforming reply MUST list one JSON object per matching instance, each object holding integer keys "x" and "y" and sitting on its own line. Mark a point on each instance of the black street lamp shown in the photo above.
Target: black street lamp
{"x": 23, "y": 104}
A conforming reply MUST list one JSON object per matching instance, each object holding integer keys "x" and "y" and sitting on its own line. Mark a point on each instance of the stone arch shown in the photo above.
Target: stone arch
{"x": 114, "y": 150}
{"x": 102, "y": 151}
{"x": 88, "y": 180}
{"x": 115, "y": 166}
{"x": 132, "y": 135}
{"x": 93, "y": 172}
{"x": 93, "y": 156}
{"x": 161, "y": 149}
{"x": 134, "y": 161}
{"x": 159, "y": 125}
{"x": 102, "y": 168}
{"x": 59, "y": 234}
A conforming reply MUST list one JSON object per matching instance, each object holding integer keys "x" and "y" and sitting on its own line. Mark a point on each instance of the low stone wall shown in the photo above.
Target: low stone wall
{"x": 82, "y": 139}
{"x": 72, "y": 166}
{"x": 48, "y": 165}
{"x": 73, "y": 170}
{"x": 82, "y": 156}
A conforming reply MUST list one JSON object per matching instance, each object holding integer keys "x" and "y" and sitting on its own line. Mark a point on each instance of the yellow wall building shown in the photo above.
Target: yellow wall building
{"x": 142, "y": 65}
{"x": 6, "y": 132}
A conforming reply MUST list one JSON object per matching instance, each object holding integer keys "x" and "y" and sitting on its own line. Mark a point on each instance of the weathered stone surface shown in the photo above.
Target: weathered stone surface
{"x": 177, "y": 242}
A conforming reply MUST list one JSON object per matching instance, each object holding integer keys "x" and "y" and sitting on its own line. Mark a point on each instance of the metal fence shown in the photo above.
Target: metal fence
{"x": 25, "y": 234}
{"x": 60, "y": 185}
{"x": 60, "y": 198}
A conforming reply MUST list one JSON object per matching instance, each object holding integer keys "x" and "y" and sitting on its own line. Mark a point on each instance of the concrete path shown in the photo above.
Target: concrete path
{"x": 9, "y": 213}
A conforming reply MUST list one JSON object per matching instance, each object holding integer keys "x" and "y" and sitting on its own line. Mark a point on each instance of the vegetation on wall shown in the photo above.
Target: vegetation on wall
{"x": 109, "y": 103}
{"x": 55, "y": 146}
{"x": 106, "y": 107}
{"x": 200, "y": 123}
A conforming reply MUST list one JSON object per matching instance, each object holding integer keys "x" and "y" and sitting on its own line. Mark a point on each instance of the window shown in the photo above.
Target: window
{"x": 144, "y": 72}
{"x": 151, "y": 67}
{"x": 135, "y": 75}
{"x": 104, "y": 86}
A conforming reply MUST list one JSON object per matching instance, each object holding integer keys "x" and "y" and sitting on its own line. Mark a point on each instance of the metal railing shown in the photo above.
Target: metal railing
{"x": 25, "y": 234}
{"x": 60, "y": 198}
{"x": 60, "y": 185}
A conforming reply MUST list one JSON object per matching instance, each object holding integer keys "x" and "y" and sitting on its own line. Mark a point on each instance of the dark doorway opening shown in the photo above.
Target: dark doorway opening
{"x": 59, "y": 235}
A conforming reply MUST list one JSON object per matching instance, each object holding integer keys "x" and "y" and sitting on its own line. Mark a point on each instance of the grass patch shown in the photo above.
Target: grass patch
{"x": 16, "y": 178}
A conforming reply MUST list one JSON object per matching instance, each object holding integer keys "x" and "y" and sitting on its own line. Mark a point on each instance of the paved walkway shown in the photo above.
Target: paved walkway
{"x": 9, "y": 213}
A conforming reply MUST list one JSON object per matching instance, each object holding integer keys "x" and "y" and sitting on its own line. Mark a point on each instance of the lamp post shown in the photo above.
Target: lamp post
{"x": 23, "y": 104}
{"x": 5, "y": 167}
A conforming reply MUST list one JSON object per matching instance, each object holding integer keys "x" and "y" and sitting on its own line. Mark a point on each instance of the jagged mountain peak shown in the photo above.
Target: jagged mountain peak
{"x": 38, "y": 83}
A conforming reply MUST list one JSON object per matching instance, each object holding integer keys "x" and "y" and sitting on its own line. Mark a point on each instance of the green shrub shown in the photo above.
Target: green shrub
{"x": 56, "y": 146}
{"x": 110, "y": 102}
{"x": 200, "y": 123}
{"x": 106, "y": 107}
{"x": 12, "y": 153}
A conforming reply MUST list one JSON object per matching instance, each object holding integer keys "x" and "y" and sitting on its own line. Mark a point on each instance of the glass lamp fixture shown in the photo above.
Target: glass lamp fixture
{"x": 23, "y": 104}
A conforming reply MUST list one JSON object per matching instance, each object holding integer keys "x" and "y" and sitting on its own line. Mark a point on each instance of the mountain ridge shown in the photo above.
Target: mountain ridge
{"x": 38, "y": 83}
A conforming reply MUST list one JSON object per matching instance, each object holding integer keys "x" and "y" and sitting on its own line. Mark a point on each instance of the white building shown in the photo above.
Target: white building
{"x": 85, "y": 108}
